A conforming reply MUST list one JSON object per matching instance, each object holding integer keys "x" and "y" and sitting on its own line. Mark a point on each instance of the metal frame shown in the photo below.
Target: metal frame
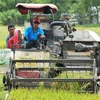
{"x": 14, "y": 79}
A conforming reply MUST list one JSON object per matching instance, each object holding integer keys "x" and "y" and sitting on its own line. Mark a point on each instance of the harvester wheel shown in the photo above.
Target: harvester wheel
{"x": 4, "y": 79}
{"x": 8, "y": 83}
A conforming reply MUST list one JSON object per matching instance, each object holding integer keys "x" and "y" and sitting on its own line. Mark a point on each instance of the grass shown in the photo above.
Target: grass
{"x": 4, "y": 33}
{"x": 95, "y": 29}
{"x": 49, "y": 94}
{"x": 2, "y": 92}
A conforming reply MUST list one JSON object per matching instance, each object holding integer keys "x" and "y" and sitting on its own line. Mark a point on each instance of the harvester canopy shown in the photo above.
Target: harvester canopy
{"x": 45, "y": 8}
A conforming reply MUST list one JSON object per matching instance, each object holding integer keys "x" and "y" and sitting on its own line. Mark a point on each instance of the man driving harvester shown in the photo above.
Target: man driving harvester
{"x": 32, "y": 34}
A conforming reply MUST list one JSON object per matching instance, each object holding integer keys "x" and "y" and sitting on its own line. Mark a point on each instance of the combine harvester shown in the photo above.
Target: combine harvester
{"x": 75, "y": 54}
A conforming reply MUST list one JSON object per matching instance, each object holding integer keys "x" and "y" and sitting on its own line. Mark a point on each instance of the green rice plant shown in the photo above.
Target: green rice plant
{"x": 94, "y": 29}
{"x": 2, "y": 92}
{"x": 2, "y": 44}
{"x": 49, "y": 94}
{"x": 73, "y": 86}
{"x": 1, "y": 84}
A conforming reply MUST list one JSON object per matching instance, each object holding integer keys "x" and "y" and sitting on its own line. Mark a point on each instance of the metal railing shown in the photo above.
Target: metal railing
{"x": 85, "y": 66}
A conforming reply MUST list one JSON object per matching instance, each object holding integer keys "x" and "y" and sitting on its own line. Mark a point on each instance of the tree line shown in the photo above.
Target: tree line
{"x": 85, "y": 10}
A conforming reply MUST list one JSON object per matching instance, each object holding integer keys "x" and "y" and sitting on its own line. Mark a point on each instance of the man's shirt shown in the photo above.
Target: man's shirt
{"x": 30, "y": 34}
{"x": 8, "y": 37}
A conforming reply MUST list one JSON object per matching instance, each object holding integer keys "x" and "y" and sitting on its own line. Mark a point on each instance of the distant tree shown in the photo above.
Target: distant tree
{"x": 82, "y": 8}
{"x": 96, "y": 4}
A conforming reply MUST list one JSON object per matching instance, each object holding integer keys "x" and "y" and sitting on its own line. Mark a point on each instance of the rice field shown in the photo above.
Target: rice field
{"x": 41, "y": 93}
{"x": 49, "y": 94}
{"x": 95, "y": 29}
{"x": 2, "y": 92}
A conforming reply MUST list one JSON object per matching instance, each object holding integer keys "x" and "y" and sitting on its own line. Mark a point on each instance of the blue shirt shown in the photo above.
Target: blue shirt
{"x": 30, "y": 34}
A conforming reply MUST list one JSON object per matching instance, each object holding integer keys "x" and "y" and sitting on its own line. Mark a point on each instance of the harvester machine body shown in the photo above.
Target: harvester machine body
{"x": 55, "y": 61}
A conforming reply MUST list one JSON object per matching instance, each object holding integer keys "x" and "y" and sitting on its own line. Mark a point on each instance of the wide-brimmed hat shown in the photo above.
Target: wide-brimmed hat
{"x": 36, "y": 19}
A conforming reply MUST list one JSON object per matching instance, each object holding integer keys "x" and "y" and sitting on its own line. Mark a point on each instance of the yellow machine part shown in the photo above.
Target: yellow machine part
{"x": 34, "y": 55}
